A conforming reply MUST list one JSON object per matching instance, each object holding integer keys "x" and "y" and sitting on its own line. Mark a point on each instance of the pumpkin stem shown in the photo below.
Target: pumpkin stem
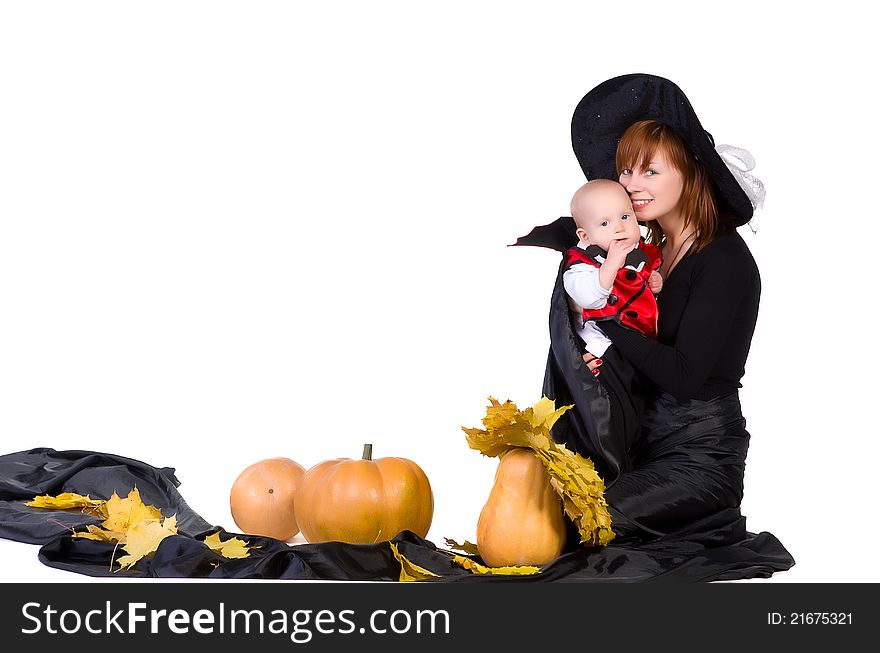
{"x": 368, "y": 452}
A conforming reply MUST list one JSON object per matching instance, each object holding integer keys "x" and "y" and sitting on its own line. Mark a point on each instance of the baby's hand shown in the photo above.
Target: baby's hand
{"x": 655, "y": 282}
{"x": 618, "y": 249}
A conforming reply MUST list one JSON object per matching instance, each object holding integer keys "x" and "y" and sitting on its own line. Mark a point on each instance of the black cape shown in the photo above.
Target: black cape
{"x": 606, "y": 416}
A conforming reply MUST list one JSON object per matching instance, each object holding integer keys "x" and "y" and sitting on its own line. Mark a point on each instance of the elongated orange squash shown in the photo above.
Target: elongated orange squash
{"x": 522, "y": 522}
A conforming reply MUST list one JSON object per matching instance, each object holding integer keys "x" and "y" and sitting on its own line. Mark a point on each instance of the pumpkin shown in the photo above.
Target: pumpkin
{"x": 262, "y": 498}
{"x": 364, "y": 501}
{"x": 522, "y": 521}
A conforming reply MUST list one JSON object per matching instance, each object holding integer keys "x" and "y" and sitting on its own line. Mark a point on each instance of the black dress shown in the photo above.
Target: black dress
{"x": 690, "y": 457}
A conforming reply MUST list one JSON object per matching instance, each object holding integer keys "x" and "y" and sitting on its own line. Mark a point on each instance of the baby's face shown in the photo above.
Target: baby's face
{"x": 604, "y": 213}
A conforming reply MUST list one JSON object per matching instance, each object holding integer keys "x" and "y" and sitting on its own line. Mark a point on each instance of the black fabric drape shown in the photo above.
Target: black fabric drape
{"x": 27, "y": 474}
{"x": 605, "y": 420}
{"x": 688, "y": 463}
{"x": 606, "y": 414}
{"x": 703, "y": 551}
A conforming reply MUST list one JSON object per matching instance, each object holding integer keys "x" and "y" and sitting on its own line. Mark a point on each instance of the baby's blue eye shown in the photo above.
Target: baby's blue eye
{"x": 625, "y": 216}
{"x": 604, "y": 223}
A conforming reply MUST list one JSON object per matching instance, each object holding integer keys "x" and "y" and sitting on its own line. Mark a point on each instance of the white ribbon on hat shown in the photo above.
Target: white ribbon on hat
{"x": 740, "y": 162}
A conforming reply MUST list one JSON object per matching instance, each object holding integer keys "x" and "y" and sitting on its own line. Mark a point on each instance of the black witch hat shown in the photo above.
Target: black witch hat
{"x": 605, "y": 113}
{"x": 608, "y": 110}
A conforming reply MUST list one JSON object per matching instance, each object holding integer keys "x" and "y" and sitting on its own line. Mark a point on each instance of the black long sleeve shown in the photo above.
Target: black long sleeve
{"x": 708, "y": 308}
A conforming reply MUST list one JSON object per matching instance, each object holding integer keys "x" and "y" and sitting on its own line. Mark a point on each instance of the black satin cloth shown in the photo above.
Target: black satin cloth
{"x": 27, "y": 474}
{"x": 605, "y": 419}
{"x": 704, "y": 551}
{"x": 688, "y": 463}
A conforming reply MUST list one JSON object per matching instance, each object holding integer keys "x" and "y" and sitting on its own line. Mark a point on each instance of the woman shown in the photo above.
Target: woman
{"x": 690, "y": 459}
{"x": 682, "y": 477}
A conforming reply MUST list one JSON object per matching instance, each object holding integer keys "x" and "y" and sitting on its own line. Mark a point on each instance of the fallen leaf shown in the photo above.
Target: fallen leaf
{"x": 142, "y": 538}
{"x": 64, "y": 501}
{"x": 477, "y": 568}
{"x": 467, "y": 547}
{"x": 120, "y": 514}
{"x": 96, "y": 533}
{"x": 136, "y": 527}
{"x": 409, "y": 571}
{"x": 231, "y": 548}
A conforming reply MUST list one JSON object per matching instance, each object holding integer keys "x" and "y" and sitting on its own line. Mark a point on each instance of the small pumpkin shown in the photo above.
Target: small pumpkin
{"x": 364, "y": 501}
{"x": 522, "y": 521}
{"x": 262, "y": 498}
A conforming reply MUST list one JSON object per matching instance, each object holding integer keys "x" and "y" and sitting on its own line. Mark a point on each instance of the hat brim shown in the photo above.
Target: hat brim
{"x": 605, "y": 113}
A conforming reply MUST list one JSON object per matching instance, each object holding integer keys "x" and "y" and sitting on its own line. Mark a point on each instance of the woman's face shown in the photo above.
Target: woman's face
{"x": 655, "y": 191}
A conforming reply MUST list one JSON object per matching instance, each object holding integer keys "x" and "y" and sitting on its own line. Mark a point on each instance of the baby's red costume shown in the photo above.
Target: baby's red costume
{"x": 631, "y": 302}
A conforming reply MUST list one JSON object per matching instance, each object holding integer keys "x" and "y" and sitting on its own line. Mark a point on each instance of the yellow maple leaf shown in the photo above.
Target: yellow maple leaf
{"x": 64, "y": 501}
{"x": 142, "y": 538}
{"x": 544, "y": 413}
{"x": 120, "y": 513}
{"x": 477, "y": 568}
{"x": 96, "y": 533}
{"x": 409, "y": 571}
{"x": 136, "y": 527}
{"x": 231, "y": 548}
{"x": 467, "y": 547}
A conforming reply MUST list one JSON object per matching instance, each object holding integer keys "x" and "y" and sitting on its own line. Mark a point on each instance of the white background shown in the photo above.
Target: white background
{"x": 232, "y": 231}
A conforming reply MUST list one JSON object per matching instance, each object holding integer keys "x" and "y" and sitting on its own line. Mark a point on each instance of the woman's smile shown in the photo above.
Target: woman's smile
{"x": 660, "y": 178}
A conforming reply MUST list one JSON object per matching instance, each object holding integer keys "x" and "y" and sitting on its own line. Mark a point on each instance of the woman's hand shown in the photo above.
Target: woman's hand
{"x": 593, "y": 363}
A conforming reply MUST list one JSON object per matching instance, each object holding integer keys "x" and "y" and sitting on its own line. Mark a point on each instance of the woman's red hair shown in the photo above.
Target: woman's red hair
{"x": 638, "y": 145}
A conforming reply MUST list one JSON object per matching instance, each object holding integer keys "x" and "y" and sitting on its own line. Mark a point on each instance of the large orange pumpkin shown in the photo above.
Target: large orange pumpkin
{"x": 262, "y": 498}
{"x": 364, "y": 501}
{"x": 522, "y": 521}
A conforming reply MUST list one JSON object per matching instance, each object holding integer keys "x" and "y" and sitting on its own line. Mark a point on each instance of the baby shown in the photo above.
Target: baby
{"x": 611, "y": 274}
